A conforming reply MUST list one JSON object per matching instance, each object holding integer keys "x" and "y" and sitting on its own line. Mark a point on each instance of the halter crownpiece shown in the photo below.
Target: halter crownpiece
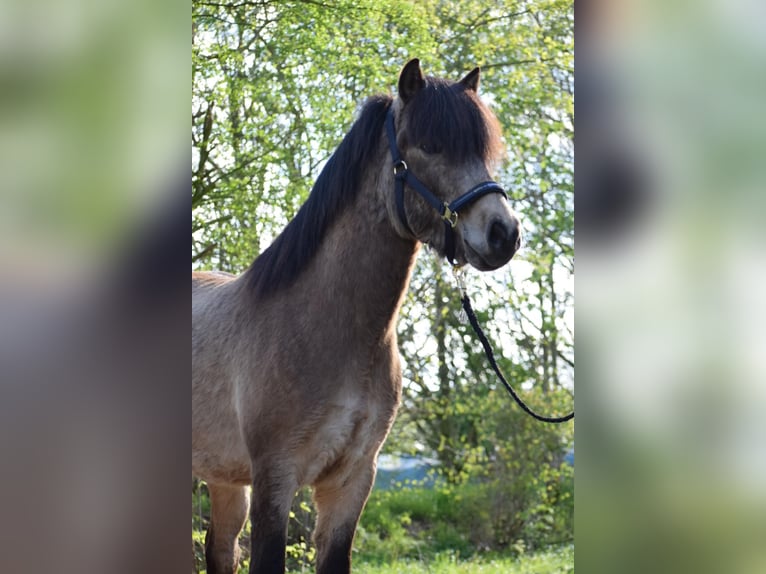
{"x": 449, "y": 212}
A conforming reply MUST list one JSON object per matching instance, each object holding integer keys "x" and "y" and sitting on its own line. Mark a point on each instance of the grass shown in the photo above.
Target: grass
{"x": 558, "y": 561}
{"x": 555, "y": 561}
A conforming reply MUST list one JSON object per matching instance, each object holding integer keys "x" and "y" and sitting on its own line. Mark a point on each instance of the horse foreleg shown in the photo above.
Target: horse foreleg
{"x": 269, "y": 512}
{"x": 339, "y": 506}
{"x": 228, "y": 510}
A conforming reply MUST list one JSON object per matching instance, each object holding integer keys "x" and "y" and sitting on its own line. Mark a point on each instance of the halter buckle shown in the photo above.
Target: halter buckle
{"x": 450, "y": 216}
{"x": 400, "y": 168}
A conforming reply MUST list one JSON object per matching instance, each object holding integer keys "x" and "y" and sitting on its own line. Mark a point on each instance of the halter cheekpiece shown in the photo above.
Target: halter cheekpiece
{"x": 449, "y": 212}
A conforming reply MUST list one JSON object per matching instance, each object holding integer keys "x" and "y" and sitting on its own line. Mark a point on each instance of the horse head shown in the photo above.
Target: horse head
{"x": 448, "y": 142}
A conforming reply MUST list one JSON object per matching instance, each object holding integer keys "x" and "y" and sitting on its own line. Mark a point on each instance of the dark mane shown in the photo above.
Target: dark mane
{"x": 335, "y": 188}
{"x": 446, "y": 115}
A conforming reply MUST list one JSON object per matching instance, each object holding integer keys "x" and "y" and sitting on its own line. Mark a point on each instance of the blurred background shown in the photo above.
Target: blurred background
{"x": 94, "y": 304}
{"x": 671, "y": 184}
{"x": 94, "y": 405}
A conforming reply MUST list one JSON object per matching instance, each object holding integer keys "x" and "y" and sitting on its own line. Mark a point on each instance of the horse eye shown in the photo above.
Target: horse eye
{"x": 430, "y": 148}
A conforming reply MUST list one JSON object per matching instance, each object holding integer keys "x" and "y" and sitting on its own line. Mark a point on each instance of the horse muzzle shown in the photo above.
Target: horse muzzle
{"x": 491, "y": 236}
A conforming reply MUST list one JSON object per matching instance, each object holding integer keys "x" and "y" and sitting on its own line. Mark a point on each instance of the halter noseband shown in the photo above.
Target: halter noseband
{"x": 448, "y": 211}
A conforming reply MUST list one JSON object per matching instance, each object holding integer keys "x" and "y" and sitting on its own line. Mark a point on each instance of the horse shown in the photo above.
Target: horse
{"x": 296, "y": 375}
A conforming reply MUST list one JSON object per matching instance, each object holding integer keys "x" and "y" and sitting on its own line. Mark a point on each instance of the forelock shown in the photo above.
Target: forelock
{"x": 448, "y": 115}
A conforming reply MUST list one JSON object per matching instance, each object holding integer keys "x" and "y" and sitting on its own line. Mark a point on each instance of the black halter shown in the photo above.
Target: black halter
{"x": 448, "y": 211}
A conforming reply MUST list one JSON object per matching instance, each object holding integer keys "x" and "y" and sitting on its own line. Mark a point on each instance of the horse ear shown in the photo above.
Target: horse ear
{"x": 411, "y": 80}
{"x": 471, "y": 79}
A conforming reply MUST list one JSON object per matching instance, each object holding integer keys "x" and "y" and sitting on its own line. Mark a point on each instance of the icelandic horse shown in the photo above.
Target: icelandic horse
{"x": 295, "y": 368}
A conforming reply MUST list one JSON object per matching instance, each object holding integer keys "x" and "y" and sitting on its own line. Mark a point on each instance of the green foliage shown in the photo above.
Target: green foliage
{"x": 300, "y": 552}
{"x": 275, "y": 86}
{"x": 467, "y": 519}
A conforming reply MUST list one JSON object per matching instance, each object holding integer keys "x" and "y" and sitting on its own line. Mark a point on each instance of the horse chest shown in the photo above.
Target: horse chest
{"x": 350, "y": 432}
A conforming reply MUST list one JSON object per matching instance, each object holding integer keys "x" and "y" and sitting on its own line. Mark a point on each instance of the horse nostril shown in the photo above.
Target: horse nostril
{"x": 500, "y": 238}
{"x": 503, "y": 238}
{"x": 498, "y": 235}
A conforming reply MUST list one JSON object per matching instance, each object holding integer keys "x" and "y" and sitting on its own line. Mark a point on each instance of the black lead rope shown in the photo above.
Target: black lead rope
{"x": 493, "y": 363}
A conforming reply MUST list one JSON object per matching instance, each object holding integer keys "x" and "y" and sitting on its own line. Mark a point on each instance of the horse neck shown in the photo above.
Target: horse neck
{"x": 353, "y": 287}
{"x": 362, "y": 269}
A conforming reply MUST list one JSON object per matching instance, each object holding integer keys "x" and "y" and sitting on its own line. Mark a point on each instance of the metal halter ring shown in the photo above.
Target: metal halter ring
{"x": 449, "y": 216}
{"x": 400, "y": 167}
